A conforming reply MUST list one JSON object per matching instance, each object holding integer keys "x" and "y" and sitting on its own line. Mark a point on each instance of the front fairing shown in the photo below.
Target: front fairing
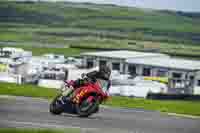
{"x": 87, "y": 90}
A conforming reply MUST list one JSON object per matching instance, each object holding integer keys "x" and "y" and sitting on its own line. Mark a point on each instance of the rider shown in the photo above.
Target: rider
{"x": 103, "y": 73}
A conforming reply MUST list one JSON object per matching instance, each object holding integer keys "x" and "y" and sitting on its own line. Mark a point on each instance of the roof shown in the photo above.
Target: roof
{"x": 122, "y": 54}
{"x": 12, "y": 49}
{"x": 174, "y": 63}
{"x": 38, "y": 59}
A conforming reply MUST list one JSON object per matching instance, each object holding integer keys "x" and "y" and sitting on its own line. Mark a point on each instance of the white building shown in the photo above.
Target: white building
{"x": 115, "y": 59}
{"x": 184, "y": 74}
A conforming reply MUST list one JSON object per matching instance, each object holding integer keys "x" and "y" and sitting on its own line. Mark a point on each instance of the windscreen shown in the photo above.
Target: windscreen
{"x": 103, "y": 84}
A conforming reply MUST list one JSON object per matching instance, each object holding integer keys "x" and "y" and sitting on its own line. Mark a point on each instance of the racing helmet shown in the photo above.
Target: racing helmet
{"x": 105, "y": 72}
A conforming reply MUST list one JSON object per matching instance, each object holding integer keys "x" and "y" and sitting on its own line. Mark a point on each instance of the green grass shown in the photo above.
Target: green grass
{"x": 96, "y": 18}
{"x": 64, "y": 51}
{"x": 172, "y": 106}
{"x": 37, "y": 51}
{"x": 98, "y": 26}
{"x": 20, "y": 130}
{"x": 181, "y": 107}
{"x": 27, "y": 90}
{"x": 87, "y": 44}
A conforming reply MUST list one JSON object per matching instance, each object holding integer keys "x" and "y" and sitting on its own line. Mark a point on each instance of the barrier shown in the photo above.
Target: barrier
{"x": 10, "y": 78}
{"x": 159, "y": 79}
{"x": 160, "y": 96}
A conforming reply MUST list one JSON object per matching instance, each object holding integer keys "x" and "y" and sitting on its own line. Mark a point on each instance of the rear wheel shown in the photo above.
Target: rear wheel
{"x": 56, "y": 106}
{"x": 87, "y": 107}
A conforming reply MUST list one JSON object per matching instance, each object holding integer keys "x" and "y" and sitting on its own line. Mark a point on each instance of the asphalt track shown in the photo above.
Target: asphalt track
{"x": 26, "y": 112}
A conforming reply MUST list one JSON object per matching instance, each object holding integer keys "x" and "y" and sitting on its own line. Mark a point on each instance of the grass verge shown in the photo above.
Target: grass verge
{"x": 26, "y": 90}
{"x": 17, "y": 130}
{"x": 63, "y": 51}
{"x": 169, "y": 106}
{"x": 180, "y": 107}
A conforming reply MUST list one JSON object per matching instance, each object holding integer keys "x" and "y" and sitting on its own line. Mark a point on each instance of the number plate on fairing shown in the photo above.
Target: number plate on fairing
{"x": 81, "y": 94}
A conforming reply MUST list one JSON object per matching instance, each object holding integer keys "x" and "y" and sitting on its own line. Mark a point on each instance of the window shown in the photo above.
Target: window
{"x": 102, "y": 63}
{"x": 5, "y": 53}
{"x": 53, "y": 76}
{"x": 161, "y": 73}
{"x": 146, "y": 72}
{"x": 49, "y": 76}
{"x": 198, "y": 83}
{"x": 176, "y": 75}
{"x": 191, "y": 77}
{"x": 116, "y": 66}
{"x": 89, "y": 64}
{"x": 132, "y": 69}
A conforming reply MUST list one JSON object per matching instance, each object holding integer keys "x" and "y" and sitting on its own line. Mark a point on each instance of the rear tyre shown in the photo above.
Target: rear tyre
{"x": 89, "y": 109}
{"x": 56, "y": 107}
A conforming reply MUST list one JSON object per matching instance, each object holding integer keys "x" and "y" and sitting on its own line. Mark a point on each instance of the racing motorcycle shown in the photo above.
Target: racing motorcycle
{"x": 83, "y": 101}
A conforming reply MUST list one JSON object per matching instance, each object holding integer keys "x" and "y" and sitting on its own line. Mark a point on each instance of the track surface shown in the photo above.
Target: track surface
{"x": 33, "y": 112}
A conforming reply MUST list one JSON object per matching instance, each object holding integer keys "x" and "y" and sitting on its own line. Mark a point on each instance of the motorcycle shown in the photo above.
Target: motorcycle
{"x": 83, "y": 101}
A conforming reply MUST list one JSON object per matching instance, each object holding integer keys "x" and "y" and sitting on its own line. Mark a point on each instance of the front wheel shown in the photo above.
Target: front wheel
{"x": 87, "y": 107}
{"x": 56, "y": 107}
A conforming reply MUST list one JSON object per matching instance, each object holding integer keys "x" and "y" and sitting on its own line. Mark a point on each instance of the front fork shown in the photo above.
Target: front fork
{"x": 65, "y": 99}
{"x": 67, "y": 91}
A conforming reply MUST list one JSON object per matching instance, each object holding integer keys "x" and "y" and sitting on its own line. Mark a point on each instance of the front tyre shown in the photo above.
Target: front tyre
{"x": 87, "y": 108}
{"x": 56, "y": 107}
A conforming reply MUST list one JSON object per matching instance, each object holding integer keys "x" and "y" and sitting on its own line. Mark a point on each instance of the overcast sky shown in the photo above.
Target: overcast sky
{"x": 180, "y": 5}
{"x": 183, "y": 5}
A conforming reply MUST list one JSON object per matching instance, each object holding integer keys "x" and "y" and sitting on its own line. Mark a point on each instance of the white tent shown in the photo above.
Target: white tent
{"x": 10, "y": 78}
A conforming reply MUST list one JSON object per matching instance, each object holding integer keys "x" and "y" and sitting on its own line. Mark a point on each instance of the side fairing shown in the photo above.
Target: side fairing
{"x": 86, "y": 91}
